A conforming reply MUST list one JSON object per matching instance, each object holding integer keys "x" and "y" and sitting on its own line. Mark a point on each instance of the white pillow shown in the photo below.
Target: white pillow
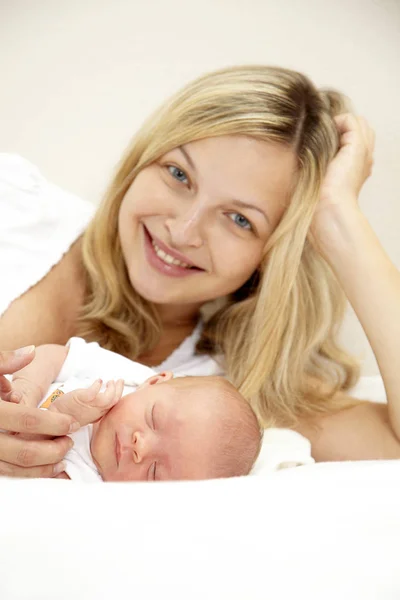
{"x": 282, "y": 448}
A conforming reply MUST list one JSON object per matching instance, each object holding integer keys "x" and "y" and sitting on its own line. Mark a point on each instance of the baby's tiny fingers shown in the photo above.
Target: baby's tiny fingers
{"x": 119, "y": 390}
{"x": 110, "y": 392}
{"x": 6, "y": 390}
{"x": 96, "y": 386}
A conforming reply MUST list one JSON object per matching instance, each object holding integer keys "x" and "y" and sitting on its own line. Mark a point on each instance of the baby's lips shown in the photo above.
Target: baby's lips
{"x": 124, "y": 435}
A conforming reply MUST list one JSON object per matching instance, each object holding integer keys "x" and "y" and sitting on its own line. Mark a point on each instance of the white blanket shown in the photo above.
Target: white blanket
{"x": 319, "y": 532}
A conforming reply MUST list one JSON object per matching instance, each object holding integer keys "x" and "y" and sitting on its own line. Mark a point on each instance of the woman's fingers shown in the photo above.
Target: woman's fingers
{"x": 25, "y": 419}
{"x": 44, "y": 471}
{"x": 17, "y": 452}
{"x": 15, "y": 360}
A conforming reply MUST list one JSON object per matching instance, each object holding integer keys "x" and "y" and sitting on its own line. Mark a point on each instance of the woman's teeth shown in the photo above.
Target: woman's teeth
{"x": 167, "y": 258}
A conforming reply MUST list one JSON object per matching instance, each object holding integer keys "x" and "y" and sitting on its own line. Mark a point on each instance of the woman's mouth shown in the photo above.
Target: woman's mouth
{"x": 166, "y": 261}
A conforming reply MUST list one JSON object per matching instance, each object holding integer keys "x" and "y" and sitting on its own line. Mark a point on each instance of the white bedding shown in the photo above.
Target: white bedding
{"x": 323, "y": 532}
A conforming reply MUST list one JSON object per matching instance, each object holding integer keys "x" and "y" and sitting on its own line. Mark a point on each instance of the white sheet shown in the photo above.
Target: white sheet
{"x": 320, "y": 532}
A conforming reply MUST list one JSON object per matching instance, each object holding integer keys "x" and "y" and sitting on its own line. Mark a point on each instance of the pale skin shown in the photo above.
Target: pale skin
{"x": 200, "y": 220}
{"x": 168, "y": 432}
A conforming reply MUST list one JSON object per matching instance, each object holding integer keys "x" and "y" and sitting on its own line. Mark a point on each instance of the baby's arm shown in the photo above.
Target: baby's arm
{"x": 30, "y": 384}
{"x": 89, "y": 405}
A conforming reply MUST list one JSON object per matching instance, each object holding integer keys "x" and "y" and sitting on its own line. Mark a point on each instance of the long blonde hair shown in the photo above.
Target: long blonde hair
{"x": 278, "y": 333}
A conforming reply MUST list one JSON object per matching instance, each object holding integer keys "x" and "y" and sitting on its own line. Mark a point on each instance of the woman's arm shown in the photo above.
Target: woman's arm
{"x": 372, "y": 285}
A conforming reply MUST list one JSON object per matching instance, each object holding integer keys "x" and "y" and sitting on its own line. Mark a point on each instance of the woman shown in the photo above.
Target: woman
{"x": 238, "y": 196}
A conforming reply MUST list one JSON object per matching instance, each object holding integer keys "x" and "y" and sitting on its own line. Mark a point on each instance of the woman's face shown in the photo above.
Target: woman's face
{"x": 193, "y": 225}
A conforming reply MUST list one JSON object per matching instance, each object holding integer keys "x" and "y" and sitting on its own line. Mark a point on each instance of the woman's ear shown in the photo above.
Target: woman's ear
{"x": 154, "y": 379}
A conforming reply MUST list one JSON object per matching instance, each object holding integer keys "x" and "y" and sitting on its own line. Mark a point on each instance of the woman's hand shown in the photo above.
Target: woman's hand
{"x": 19, "y": 457}
{"x": 344, "y": 179}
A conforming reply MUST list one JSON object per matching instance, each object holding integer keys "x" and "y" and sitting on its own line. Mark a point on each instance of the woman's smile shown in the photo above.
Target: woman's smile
{"x": 165, "y": 260}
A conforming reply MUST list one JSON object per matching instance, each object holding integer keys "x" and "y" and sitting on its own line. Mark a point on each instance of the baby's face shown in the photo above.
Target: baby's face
{"x": 153, "y": 434}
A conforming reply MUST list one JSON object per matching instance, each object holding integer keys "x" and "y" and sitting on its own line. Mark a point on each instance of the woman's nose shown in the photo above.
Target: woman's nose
{"x": 185, "y": 228}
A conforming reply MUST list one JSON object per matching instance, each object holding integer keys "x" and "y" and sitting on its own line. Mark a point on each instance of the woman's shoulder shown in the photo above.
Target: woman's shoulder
{"x": 39, "y": 222}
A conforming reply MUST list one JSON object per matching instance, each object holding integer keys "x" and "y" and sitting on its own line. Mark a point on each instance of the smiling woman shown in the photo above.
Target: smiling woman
{"x": 237, "y": 198}
{"x": 189, "y": 201}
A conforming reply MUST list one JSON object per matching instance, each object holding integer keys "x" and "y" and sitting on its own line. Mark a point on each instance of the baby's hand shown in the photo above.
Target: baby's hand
{"x": 20, "y": 391}
{"x": 89, "y": 405}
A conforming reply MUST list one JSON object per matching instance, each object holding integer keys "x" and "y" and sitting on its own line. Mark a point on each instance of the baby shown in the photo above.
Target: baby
{"x": 162, "y": 429}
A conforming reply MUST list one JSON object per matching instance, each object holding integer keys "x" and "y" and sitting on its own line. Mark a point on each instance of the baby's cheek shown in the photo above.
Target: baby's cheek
{"x": 127, "y": 473}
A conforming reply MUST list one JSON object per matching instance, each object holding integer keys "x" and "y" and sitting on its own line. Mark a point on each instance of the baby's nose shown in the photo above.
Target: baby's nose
{"x": 140, "y": 447}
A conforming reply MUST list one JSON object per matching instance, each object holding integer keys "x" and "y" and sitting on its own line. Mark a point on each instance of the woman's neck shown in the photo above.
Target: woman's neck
{"x": 178, "y": 315}
{"x": 178, "y": 323}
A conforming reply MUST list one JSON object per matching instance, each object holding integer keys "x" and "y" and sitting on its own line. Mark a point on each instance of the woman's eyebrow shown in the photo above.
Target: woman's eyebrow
{"x": 187, "y": 156}
{"x": 251, "y": 207}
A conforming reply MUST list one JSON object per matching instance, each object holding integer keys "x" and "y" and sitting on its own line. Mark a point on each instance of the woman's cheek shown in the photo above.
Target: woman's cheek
{"x": 238, "y": 258}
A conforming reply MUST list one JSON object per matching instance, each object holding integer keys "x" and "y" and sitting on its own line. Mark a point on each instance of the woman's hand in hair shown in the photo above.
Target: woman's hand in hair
{"x": 352, "y": 164}
{"x": 344, "y": 179}
{"x": 28, "y": 458}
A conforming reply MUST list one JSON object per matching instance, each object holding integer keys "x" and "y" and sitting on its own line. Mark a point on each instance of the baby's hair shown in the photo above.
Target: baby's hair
{"x": 236, "y": 427}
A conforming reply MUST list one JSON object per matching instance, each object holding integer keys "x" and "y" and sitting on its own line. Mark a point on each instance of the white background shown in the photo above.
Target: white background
{"x": 79, "y": 76}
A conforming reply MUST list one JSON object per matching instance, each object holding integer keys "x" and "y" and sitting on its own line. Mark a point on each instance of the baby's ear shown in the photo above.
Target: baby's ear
{"x": 154, "y": 379}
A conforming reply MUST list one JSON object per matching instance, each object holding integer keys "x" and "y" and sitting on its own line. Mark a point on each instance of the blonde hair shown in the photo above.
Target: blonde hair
{"x": 278, "y": 332}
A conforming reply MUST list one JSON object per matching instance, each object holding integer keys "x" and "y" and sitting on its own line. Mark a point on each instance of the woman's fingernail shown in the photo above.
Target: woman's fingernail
{"x": 74, "y": 427}
{"x": 24, "y": 350}
{"x": 59, "y": 468}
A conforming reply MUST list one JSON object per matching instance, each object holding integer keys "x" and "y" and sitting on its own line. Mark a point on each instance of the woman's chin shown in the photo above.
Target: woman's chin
{"x": 159, "y": 292}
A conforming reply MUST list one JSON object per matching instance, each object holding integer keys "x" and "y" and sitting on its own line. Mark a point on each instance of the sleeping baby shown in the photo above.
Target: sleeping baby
{"x": 144, "y": 426}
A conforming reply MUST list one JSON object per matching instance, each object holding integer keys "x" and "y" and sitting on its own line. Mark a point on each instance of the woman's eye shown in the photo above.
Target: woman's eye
{"x": 240, "y": 221}
{"x": 178, "y": 174}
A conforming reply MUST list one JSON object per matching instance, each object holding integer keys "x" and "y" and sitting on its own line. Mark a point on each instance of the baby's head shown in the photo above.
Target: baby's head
{"x": 184, "y": 428}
